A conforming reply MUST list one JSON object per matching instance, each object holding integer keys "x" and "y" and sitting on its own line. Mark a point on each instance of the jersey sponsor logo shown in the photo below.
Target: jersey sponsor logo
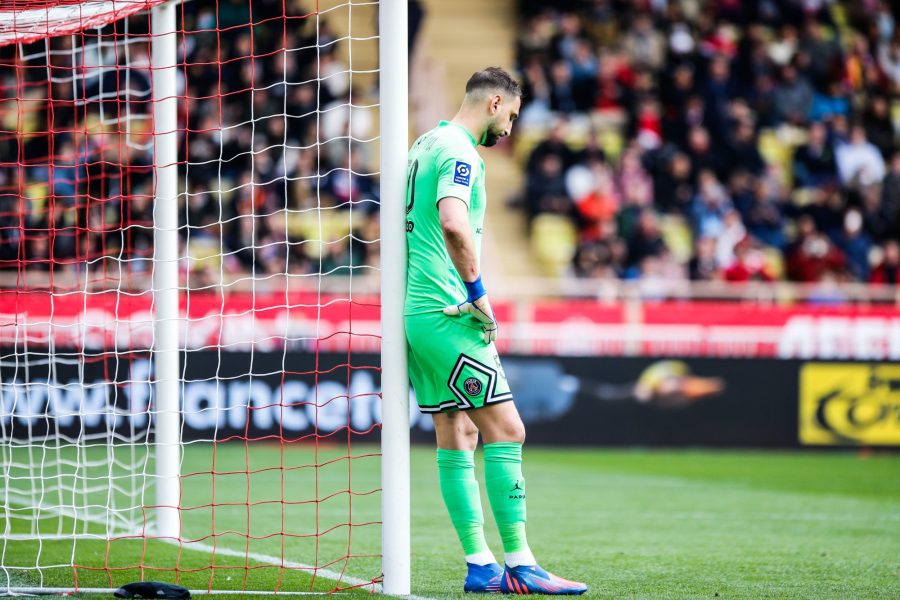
{"x": 462, "y": 173}
{"x": 472, "y": 386}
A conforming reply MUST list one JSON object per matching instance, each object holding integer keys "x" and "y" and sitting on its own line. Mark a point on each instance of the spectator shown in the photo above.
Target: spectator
{"x": 601, "y": 202}
{"x": 634, "y": 184}
{"x": 547, "y": 189}
{"x": 709, "y": 206}
{"x": 855, "y": 244}
{"x": 678, "y": 87}
{"x": 858, "y": 161}
{"x": 783, "y": 47}
{"x": 888, "y": 269}
{"x": 874, "y": 221}
{"x": 720, "y": 89}
{"x": 645, "y": 242}
{"x": 827, "y": 209}
{"x": 812, "y": 255}
{"x": 826, "y": 105}
{"x": 603, "y": 258}
{"x": 889, "y": 61}
{"x": 672, "y": 183}
{"x": 765, "y": 219}
{"x": 762, "y": 100}
{"x": 703, "y": 265}
{"x": 744, "y": 152}
{"x": 885, "y": 22}
{"x": 644, "y": 44}
{"x": 878, "y": 126}
{"x": 890, "y": 198}
{"x": 823, "y": 51}
{"x": 564, "y": 95}
{"x": 570, "y": 32}
{"x": 583, "y": 63}
{"x": 535, "y": 96}
{"x": 793, "y": 96}
{"x": 733, "y": 231}
{"x": 749, "y": 264}
{"x": 591, "y": 151}
{"x": 556, "y": 145}
{"x": 704, "y": 157}
{"x": 814, "y": 162}
{"x": 534, "y": 39}
{"x": 612, "y": 90}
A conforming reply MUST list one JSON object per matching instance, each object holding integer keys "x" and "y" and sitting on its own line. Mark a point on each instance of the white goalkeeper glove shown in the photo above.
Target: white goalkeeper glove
{"x": 478, "y": 306}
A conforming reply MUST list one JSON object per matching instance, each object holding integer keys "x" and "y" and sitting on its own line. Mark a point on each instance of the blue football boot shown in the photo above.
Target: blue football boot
{"x": 531, "y": 579}
{"x": 483, "y": 579}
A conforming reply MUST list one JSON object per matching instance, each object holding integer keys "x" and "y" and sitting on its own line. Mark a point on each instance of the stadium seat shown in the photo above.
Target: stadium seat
{"x": 319, "y": 228}
{"x": 525, "y": 141}
{"x": 774, "y": 262}
{"x": 676, "y": 233}
{"x": 553, "y": 239}
{"x": 204, "y": 254}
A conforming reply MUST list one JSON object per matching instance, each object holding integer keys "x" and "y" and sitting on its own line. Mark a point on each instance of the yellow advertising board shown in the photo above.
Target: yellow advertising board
{"x": 844, "y": 404}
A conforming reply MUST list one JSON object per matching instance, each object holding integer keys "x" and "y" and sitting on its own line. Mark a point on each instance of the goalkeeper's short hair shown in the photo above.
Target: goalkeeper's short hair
{"x": 493, "y": 78}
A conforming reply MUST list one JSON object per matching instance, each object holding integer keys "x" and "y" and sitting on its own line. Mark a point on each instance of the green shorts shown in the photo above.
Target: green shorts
{"x": 450, "y": 366}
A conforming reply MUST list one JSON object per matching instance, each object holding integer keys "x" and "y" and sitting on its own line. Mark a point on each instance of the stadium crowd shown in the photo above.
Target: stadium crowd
{"x": 264, "y": 142}
{"x": 713, "y": 140}
{"x": 710, "y": 140}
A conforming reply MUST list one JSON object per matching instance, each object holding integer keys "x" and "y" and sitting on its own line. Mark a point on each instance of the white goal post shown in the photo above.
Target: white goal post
{"x": 167, "y": 414}
{"x": 167, "y": 410}
{"x": 395, "y": 382}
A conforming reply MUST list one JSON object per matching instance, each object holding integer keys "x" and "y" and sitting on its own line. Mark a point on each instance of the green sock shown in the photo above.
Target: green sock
{"x": 506, "y": 491}
{"x": 459, "y": 488}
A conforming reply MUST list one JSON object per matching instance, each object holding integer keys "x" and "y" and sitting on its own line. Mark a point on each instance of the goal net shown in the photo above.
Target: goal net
{"x": 189, "y": 295}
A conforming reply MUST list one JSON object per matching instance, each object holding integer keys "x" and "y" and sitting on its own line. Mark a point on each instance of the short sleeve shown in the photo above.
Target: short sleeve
{"x": 456, "y": 174}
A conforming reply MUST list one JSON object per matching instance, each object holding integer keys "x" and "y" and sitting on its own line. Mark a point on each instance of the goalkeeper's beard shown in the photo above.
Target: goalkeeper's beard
{"x": 490, "y": 136}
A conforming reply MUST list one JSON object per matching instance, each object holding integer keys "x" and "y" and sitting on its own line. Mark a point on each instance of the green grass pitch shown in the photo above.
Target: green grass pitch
{"x": 631, "y": 523}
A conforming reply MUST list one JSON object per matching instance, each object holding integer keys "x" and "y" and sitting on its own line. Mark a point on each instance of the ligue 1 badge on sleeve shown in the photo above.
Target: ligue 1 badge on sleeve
{"x": 462, "y": 173}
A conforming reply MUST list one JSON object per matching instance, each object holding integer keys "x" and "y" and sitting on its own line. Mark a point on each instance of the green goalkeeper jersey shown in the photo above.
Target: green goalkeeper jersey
{"x": 442, "y": 162}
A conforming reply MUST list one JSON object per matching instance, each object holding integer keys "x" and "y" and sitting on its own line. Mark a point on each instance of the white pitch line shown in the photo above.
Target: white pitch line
{"x": 274, "y": 560}
{"x": 202, "y": 547}
{"x": 363, "y": 584}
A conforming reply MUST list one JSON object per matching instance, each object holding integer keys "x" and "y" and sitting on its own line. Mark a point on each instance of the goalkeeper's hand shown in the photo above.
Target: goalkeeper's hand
{"x": 478, "y": 306}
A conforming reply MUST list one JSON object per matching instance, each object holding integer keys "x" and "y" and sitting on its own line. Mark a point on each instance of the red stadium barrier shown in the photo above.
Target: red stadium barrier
{"x": 559, "y": 327}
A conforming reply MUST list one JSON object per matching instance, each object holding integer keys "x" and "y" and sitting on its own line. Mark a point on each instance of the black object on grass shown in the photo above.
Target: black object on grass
{"x": 152, "y": 589}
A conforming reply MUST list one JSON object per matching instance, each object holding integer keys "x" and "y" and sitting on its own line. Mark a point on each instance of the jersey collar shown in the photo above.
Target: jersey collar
{"x": 461, "y": 128}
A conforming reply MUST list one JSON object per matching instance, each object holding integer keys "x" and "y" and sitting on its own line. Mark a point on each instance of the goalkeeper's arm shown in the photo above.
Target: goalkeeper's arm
{"x": 461, "y": 248}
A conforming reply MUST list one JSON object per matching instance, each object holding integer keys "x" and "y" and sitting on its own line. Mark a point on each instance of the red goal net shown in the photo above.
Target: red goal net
{"x": 278, "y": 318}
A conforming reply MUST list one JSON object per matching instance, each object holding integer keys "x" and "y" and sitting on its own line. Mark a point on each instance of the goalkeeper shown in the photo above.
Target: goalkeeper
{"x": 450, "y": 330}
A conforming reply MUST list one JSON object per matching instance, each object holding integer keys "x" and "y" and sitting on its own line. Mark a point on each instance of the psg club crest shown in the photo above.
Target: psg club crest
{"x": 472, "y": 386}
